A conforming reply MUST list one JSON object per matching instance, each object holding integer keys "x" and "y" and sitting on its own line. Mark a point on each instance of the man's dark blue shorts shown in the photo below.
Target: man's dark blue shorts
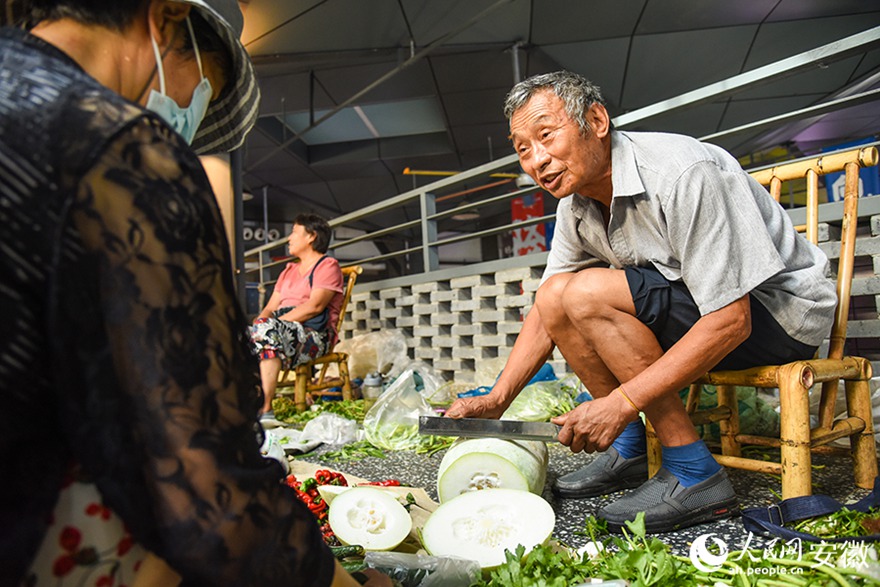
{"x": 668, "y": 309}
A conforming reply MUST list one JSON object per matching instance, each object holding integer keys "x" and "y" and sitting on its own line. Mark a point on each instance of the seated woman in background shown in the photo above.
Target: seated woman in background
{"x": 298, "y": 323}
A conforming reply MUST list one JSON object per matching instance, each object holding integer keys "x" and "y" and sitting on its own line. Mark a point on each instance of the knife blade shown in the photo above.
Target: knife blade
{"x": 482, "y": 428}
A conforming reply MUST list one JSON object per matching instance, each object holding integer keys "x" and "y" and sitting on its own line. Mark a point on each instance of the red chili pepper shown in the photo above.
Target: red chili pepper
{"x": 385, "y": 483}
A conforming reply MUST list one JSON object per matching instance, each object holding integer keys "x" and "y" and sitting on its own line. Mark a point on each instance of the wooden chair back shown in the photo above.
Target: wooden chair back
{"x": 794, "y": 380}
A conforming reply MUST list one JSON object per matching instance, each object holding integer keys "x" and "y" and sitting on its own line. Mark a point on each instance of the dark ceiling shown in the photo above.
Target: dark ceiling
{"x": 387, "y": 85}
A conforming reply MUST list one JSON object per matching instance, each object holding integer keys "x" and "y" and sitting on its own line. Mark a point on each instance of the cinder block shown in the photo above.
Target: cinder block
{"x": 449, "y": 319}
{"x": 470, "y": 305}
{"x": 392, "y": 293}
{"x": 470, "y": 281}
{"x": 454, "y": 365}
{"x": 426, "y": 331}
{"x": 450, "y": 295}
{"x": 489, "y": 291}
{"x": 472, "y": 329}
{"x": 388, "y": 313}
{"x": 875, "y": 225}
{"x": 406, "y": 300}
{"x": 474, "y": 353}
{"x": 375, "y": 304}
{"x": 360, "y": 314}
{"x": 426, "y": 353}
{"x": 360, "y": 297}
{"x": 445, "y": 341}
{"x": 517, "y": 301}
{"x": 407, "y": 321}
{"x": 531, "y": 285}
{"x": 502, "y": 315}
{"x": 517, "y": 274}
{"x": 424, "y": 309}
{"x": 430, "y": 286}
{"x": 509, "y": 327}
{"x": 496, "y": 340}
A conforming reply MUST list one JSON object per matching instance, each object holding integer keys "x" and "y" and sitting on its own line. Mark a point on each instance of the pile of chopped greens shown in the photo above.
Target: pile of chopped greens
{"x": 844, "y": 522}
{"x": 354, "y": 451}
{"x": 285, "y": 410}
{"x": 646, "y": 562}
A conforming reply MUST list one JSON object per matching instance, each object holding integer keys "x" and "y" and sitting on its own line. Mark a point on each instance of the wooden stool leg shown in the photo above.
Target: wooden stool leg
{"x": 794, "y": 415}
{"x": 303, "y": 374}
{"x": 655, "y": 450}
{"x": 346, "y": 380}
{"x": 729, "y": 427}
{"x": 862, "y": 447}
{"x": 693, "y": 397}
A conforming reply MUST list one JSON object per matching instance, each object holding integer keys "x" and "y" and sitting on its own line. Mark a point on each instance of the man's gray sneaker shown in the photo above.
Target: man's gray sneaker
{"x": 607, "y": 473}
{"x": 668, "y": 505}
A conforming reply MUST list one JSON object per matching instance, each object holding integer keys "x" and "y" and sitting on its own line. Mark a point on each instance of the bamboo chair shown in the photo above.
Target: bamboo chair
{"x": 302, "y": 377}
{"x": 797, "y": 440}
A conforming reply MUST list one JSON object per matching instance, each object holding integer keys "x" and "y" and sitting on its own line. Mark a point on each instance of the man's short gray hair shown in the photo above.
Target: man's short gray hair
{"x": 576, "y": 92}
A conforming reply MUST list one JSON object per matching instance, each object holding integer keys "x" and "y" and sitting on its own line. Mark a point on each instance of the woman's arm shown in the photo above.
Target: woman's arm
{"x": 271, "y": 306}
{"x": 317, "y": 302}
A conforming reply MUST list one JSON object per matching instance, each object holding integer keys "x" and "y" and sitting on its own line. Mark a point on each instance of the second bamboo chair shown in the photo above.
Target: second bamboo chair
{"x": 794, "y": 380}
{"x": 303, "y": 378}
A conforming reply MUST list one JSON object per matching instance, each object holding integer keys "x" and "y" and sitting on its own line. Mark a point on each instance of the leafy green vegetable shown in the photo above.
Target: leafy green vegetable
{"x": 645, "y": 562}
{"x": 285, "y": 410}
{"x": 844, "y": 522}
{"x": 353, "y": 452}
{"x": 541, "y": 401}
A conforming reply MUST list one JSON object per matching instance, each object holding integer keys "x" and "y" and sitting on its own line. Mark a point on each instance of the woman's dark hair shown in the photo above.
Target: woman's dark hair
{"x": 115, "y": 15}
{"x": 317, "y": 226}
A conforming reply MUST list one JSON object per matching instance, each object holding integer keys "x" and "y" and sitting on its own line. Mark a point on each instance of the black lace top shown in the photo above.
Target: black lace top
{"x": 123, "y": 348}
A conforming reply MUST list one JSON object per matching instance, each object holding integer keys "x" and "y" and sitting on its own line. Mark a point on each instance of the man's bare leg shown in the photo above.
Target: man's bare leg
{"x": 590, "y": 316}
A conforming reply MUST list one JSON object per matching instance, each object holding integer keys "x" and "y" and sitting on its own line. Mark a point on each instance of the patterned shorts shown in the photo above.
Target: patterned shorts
{"x": 289, "y": 341}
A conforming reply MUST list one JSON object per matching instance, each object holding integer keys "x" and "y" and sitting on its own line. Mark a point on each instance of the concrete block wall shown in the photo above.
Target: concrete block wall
{"x": 453, "y": 324}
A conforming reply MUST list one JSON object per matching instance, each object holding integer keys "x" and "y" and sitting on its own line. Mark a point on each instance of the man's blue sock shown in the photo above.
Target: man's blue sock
{"x": 690, "y": 463}
{"x": 631, "y": 442}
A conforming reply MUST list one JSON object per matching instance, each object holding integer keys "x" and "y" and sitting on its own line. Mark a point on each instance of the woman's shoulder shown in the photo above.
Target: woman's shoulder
{"x": 328, "y": 271}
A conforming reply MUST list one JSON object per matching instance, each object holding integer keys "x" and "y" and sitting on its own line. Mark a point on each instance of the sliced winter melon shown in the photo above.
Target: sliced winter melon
{"x": 481, "y": 525}
{"x": 329, "y": 492}
{"x": 369, "y": 517}
{"x": 484, "y": 463}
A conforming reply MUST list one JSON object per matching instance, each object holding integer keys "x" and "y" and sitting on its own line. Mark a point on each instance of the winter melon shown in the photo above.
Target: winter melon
{"x": 481, "y": 525}
{"x": 369, "y": 517}
{"x": 484, "y": 463}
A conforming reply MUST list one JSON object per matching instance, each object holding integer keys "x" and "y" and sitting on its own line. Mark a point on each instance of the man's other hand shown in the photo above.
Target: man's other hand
{"x": 593, "y": 425}
{"x": 483, "y": 406}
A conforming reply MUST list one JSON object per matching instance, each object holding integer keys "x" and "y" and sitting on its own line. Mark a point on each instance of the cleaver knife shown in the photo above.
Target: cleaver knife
{"x": 482, "y": 428}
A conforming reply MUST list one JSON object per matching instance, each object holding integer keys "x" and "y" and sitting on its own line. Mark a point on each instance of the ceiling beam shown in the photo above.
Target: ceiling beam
{"x": 858, "y": 43}
{"x": 406, "y": 64}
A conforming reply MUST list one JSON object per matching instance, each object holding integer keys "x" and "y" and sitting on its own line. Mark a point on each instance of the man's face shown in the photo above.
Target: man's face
{"x": 552, "y": 149}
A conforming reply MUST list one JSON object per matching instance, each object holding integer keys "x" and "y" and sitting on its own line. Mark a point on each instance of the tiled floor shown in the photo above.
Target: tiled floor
{"x": 833, "y": 476}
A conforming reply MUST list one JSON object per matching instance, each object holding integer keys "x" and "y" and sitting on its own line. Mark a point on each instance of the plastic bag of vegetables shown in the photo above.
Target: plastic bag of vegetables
{"x": 393, "y": 422}
{"x": 541, "y": 401}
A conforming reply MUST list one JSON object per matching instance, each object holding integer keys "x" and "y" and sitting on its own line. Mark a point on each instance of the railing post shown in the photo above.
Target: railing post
{"x": 430, "y": 256}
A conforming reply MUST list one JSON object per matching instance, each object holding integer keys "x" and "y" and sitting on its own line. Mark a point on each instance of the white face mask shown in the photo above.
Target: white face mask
{"x": 185, "y": 121}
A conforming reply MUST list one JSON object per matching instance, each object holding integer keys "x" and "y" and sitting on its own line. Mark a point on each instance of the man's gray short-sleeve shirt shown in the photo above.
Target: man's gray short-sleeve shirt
{"x": 689, "y": 209}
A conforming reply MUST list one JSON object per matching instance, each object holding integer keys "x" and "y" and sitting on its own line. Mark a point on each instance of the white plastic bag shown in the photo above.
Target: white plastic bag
{"x": 393, "y": 421}
{"x": 421, "y": 570}
{"x": 384, "y": 351}
{"x": 272, "y": 449}
{"x": 331, "y": 428}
